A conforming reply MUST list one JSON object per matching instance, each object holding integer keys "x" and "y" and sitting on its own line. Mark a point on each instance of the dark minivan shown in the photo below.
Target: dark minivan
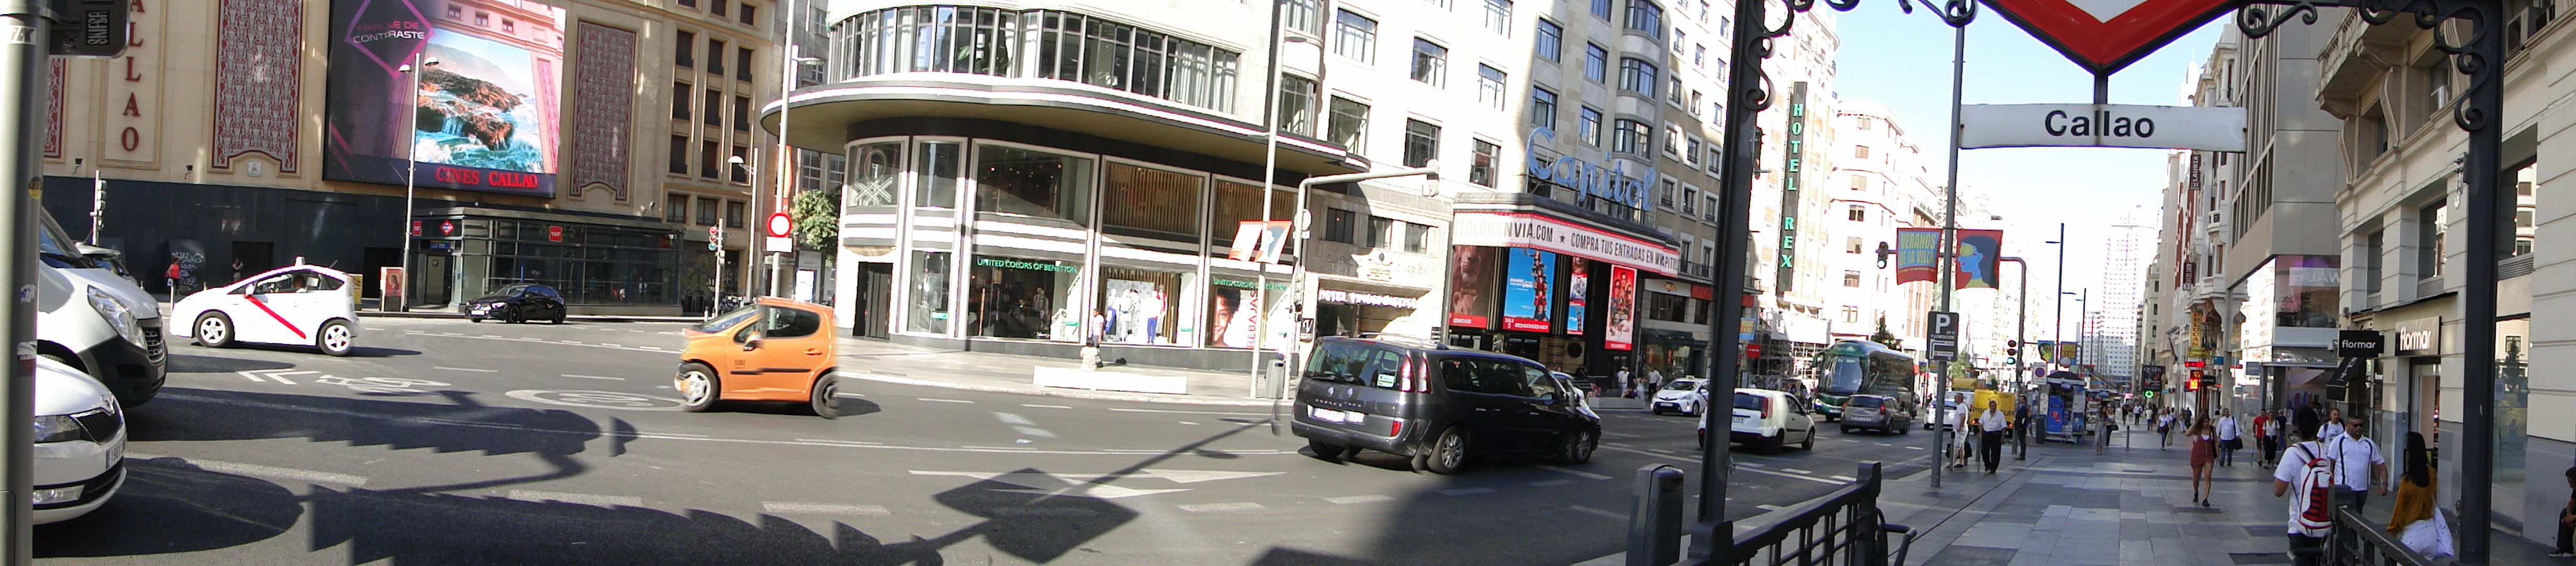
{"x": 1437, "y": 405}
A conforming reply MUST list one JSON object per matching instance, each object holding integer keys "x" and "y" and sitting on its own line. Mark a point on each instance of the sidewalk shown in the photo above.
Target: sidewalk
{"x": 877, "y": 360}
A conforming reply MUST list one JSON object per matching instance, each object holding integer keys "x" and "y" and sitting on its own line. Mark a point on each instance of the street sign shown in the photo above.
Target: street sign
{"x": 87, "y": 28}
{"x": 446, "y": 227}
{"x": 2101, "y": 125}
{"x": 1945, "y": 335}
{"x": 2104, "y": 35}
{"x": 554, "y": 233}
{"x": 779, "y": 227}
{"x": 415, "y": 227}
{"x": 2359, "y": 343}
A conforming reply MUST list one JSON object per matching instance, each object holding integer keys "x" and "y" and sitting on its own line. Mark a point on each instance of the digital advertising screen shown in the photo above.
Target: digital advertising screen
{"x": 484, "y": 113}
{"x": 1471, "y": 286}
{"x": 1529, "y": 284}
{"x": 1578, "y": 288}
{"x": 1619, "y": 330}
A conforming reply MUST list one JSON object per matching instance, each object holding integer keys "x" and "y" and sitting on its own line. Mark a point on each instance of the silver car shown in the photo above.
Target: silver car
{"x": 80, "y": 443}
{"x": 1877, "y": 412}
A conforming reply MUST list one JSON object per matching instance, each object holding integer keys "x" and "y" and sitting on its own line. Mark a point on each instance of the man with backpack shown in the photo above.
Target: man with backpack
{"x": 2308, "y": 467}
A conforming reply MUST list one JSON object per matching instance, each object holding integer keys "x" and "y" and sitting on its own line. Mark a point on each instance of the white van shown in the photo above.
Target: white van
{"x": 95, "y": 320}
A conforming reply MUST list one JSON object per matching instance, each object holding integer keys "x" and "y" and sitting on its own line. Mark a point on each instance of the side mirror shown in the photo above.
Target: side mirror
{"x": 1551, "y": 398}
{"x": 751, "y": 342}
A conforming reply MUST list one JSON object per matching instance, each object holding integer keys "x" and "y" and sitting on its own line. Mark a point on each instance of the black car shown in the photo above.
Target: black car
{"x": 518, "y": 303}
{"x": 1437, "y": 405}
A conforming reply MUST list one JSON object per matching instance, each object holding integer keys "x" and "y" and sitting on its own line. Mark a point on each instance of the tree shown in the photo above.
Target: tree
{"x": 817, "y": 214}
{"x": 1883, "y": 337}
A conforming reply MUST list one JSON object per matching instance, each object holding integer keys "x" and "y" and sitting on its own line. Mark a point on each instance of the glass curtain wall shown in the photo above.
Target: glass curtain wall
{"x": 1025, "y": 298}
{"x": 590, "y": 265}
{"x": 1057, "y": 44}
{"x": 1033, "y": 184}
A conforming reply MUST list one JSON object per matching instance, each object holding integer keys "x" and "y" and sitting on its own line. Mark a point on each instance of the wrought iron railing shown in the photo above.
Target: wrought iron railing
{"x": 1843, "y": 528}
{"x": 2356, "y": 540}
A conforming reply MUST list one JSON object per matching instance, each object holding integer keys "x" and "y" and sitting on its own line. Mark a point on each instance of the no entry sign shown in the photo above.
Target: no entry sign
{"x": 780, "y": 226}
{"x": 2105, "y": 35}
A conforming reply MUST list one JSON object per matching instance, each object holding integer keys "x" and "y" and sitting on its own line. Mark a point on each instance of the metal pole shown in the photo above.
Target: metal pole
{"x": 2057, "y": 322}
{"x": 2478, "y": 296}
{"x": 411, "y": 174}
{"x": 1743, "y": 85}
{"x": 22, "y": 64}
{"x": 2021, "y": 365}
{"x": 1946, "y": 260}
{"x": 786, "y": 157}
{"x": 98, "y": 207}
{"x": 1269, "y": 178}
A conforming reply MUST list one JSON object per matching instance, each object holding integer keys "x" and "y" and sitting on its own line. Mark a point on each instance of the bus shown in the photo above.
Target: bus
{"x": 1853, "y": 367}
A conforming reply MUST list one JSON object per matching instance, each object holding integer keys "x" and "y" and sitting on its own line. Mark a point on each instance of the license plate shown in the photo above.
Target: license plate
{"x": 1329, "y": 415}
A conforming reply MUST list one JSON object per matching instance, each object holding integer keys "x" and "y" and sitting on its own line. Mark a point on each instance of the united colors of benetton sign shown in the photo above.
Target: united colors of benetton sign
{"x": 2105, "y": 35}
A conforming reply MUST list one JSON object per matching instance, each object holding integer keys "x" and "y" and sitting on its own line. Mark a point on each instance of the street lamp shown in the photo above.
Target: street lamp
{"x": 2021, "y": 371}
{"x": 411, "y": 172}
{"x": 1297, "y": 273}
{"x": 1269, "y": 179}
{"x": 2057, "y": 322}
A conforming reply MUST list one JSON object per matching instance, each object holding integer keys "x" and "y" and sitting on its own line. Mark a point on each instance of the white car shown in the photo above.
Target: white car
{"x": 302, "y": 305}
{"x": 80, "y": 443}
{"x": 1686, "y": 396}
{"x": 1766, "y": 419}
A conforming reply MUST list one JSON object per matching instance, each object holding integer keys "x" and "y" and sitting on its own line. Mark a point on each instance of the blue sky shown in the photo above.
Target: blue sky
{"x": 1903, "y": 61}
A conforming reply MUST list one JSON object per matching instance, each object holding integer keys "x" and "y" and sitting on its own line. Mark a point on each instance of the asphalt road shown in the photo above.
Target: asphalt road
{"x": 447, "y": 442}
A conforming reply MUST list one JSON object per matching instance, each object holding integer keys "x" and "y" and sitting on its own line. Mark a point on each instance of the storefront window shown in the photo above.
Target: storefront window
{"x": 1029, "y": 183}
{"x": 1151, "y": 203}
{"x": 939, "y": 170}
{"x": 1237, "y": 203}
{"x": 877, "y": 168}
{"x": 1025, "y": 298}
{"x": 2512, "y": 407}
{"x": 1234, "y": 319}
{"x": 1144, "y": 306}
{"x": 929, "y": 306}
{"x": 589, "y": 265}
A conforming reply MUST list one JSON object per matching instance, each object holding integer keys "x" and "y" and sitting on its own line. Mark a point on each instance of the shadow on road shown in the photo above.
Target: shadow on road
{"x": 167, "y": 506}
{"x": 183, "y": 363}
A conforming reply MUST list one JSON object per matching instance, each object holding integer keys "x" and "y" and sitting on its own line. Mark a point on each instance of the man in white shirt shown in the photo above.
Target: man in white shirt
{"x": 2294, "y": 464}
{"x": 2333, "y": 426}
{"x": 2227, "y": 441}
{"x": 2363, "y": 466}
{"x": 1991, "y": 443}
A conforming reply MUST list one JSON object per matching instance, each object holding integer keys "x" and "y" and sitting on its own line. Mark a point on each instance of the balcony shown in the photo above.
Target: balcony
{"x": 2355, "y": 59}
{"x": 1704, "y": 271}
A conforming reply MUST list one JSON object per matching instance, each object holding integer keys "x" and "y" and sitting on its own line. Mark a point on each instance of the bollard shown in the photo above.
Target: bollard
{"x": 1655, "y": 522}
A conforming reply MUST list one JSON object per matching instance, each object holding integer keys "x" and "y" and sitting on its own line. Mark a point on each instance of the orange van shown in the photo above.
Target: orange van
{"x": 772, "y": 350}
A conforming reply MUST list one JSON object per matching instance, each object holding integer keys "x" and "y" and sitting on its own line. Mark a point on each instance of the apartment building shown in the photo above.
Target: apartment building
{"x": 1879, "y": 178}
{"x": 2120, "y": 302}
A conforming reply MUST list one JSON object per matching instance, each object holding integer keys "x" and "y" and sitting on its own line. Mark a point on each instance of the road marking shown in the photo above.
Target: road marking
{"x": 580, "y": 498}
{"x": 1191, "y": 412}
{"x": 1796, "y": 471}
{"x": 832, "y": 441}
{"x": 1012, "y": 418}
{"x": 594, "y": 377}
{"x": 443, "y": 333}
{"x": 1913, "y": 448}
{"x": 1551, "y": 483}
{"x": 1598, "y": 512}
{"x": 1350, "y": 499}
{"x": 1033, "y": 431}
{"x": 1189, "y": 423}
{"x": 1466, "y": 491}
{"x": 1882, "y": 444}
{"x": 1847, "y": 440}
{"x": 1044, "y": 406}
{"x": 1844, "y": 478}
{"x": 1614, "y": 443}
{"x": 1044, "y": 512}
{"x": 1002, "y": 448}
{"x": 491, "y": 336}
{"x": 1220, "y": 507}
{"x": 822, "y": 508}
{"x": 612, "y": 345}
{"x": 236, "y": 468}
{"x": 574, "y": 342}
{"x": 944, "y": 400}
{"x": 1577, "y": 473}
{"x": 1753, "y": 464}
{"x": 1754, "y": 470}
{"x": 1767, "y": 507}
{"x": 466, "y": 369}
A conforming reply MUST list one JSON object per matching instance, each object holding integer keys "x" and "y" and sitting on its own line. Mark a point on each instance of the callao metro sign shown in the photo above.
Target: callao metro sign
{"x": 2102, "y": 36}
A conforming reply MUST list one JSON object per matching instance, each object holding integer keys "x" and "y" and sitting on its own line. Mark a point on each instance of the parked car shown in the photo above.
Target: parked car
{"x": 1686, "y": 395}
{"x": 1577, "y": 389}
{"x": 1437, "y": 406}
{"x": 1887, "y": 415}
{"x": 80, "y": 443}
{"x": 1766, "y": 419}
{"x": 96, "y": 321}
{"x": 293, "y": 305}
{"x": 771, "y": 350}
{"x": 519, "y": 302}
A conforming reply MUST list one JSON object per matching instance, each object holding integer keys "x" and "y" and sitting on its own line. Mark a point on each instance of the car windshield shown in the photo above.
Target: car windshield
{"x": 54, "y": 245}
{"x": 1867, "y": 402}
{"x": 728, "y": 320}
{"x": 1748, "y": 401}
{"x": 1845, "y": 377}
{"x": 1683, "y": 385}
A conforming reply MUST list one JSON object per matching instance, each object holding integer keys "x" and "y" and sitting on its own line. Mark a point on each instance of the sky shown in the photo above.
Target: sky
{"x": 1903, "y": 61}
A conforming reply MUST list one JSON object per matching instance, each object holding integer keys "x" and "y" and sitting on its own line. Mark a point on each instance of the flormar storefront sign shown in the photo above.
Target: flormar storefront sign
{"x": 1527, "y": 230}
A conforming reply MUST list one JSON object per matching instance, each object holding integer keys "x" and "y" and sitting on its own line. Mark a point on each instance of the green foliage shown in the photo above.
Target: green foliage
{"x": 1883, "y": 337}
{"x": 817, "y": 214}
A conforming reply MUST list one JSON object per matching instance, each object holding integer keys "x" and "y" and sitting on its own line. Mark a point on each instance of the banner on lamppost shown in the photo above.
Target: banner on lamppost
{"x": 1980, "y": 259}
{"x": 1915, "y": 257}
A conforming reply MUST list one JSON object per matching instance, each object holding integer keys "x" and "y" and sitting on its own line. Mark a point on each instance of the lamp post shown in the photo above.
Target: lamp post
{"x": 1297, "y": 273}
{"x": 787, "y": 67}
{"x": 1270, "y": 179}
{"x": 754, "y": 174}
{"x": 419, "y": 65}
{"x": 2021, "y": 325}
{"x": 2057, "y": 322}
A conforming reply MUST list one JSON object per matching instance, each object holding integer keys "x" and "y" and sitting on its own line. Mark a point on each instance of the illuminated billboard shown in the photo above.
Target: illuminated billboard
{"x": 485, "y": 115}
{"x": 1528, "y": 289}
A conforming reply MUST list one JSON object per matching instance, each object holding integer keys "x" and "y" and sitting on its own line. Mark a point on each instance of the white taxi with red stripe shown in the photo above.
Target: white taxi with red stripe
{"x": 305, "y": 305}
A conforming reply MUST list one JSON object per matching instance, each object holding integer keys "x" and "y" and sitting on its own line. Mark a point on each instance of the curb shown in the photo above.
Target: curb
{"x": 1066, "y": 393}
{"x": 579, "y": 317}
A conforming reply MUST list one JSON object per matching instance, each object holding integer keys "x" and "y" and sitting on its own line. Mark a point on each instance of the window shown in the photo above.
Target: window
{"x": 710, "y": 162}
{"x": 1542, "y": 108}
{"x": 679, "y": 155}
{"x": 715, "y": 56}
{"x": 742, "y": 67}
{"x": 1068, "y": 47}
{"x": 1679, "y": 38}
{"x": 713, "y": 113}
{"x": 748, "y": 14}
{"x": 1601, "y": 9}
{"x": 1338, "y": 226}
{"x": 1637, "y": 76}
{"x": 733, "y": 214}
{"x": 1303, "y": 15}
{"x": 1862, "y": 124}
{"x": 1489, "y": 86}
{"x": 1851, "y": 245}
{"x": 688, "y": 3}
{"x": 1691, "y": 152}
{"x": 742, "y": 113}
{"x": 1699, "y": 56}
{"x": 1551, "y": 40}
{"x": 1349, "y": 125}
{"x": 1631, "y": 136}
{"x": 1480, "y": 169}
{"x": 2517, "y": 225}
{"x": 1297, "y": 105}
{"x": 455, "y": 12}
{"x": 2429, "y": 232}
{"x": 1430, "y": 63}
{"x": 675, "y": 209}
{"x": 1851, "y": 279}
{"x": 1674, "y": 94}
{"x": 1664, "y": 197}
{"x": 1417, "y": 238}
{"x": 741, "y": 174}
{"x": 1381, "y": 232}
{"x": 1421, "y": 143}
{"x": 509, "y": 26}
{"x": 1645, "y": 16}
{"x": 1851, "y": 314}
{"x": 1596, "y": 63}
{"x": 483, "y": 19}
{"x": 680, "y": 100}
{"x": 718, "y": 8}
{"x": 1860, "y": 183}
{"x": 1690, "y": 200}
{"x": 1354, "y": 36}
{"x": 1590, "y": 126}
{"x": 1152, "y": 203}
{"x": 706, "y": 212}
{"x": 1860, "y": 152}
{"x": 1672, "y": 139}
{"x": 1010, "y": 180}
{"x": 1709, "y": 211}
{"x": 1856, "y": 213}
{"x": 2372, "y": 259}
{"x": 1498, "y": 17}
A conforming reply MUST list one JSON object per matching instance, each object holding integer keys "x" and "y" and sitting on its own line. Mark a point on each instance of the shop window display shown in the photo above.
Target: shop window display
{"x": 1145, "y": 307}
{"x": 1025, "y": 298}
{"x": 928, "y": 310}
{"x": 1030, "y": 183}
{"x": 1234, "y": 308}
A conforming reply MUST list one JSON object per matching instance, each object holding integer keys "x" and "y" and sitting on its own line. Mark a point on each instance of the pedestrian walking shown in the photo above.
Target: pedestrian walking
{"x": 2228, "y": 441}
{"x": 2164, "y": 429}
{"x": 2414, "y": 519}
{"x": 1991, "y": 440}
{"x": 2306, "y": 466}
{"x": 2333, "y": 425}
{"x": 1959, "y": 453}
{"x": 2360, "y": 465}
{"x": 2204, "y": 453}
{"x": 2263, "y": 439}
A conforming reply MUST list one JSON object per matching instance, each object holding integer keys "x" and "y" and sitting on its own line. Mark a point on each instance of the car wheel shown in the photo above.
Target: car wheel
{"x": 824, "y": 390}
{"x": 1810, "y": 446}
{"x": 1776, "y": 444}
{"x": 1325, "y": 452}
{"x": 559, "y": 318}
{"x": 474, "y": 319}
{"x": 1578, "y": 448}
{"x": 1659, "y": 411}
{"x": 1847, "y": 429}
{"x": 698, "y": 387}
{"x": 214, "y": 330}
{"x": 335, "y": 338}
{"x": 1449, "y": 452}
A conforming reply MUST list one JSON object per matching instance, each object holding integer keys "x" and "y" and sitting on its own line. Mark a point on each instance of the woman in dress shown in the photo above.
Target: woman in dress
{"x": 2204, "y": 455}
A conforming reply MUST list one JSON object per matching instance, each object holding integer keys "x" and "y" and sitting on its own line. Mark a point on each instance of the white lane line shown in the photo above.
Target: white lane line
{"x": 1576, "y": 473}
{"x": 574, "y": 342}
{"x": 1044, "y": 406}
{"x": 1753, "y": 464}
{"x": 1551, "y": 483}
{"x": 1598, "y": 512}
{"x": 1190, "y": 412}
{"x": 252, "y": 376}
{"x": 1913, "y": 448}
{"x": 1614, "y": 443}
{"x": 466, "y": 369}
{"x": 1350, "y": 499}
{"x": 1189, "y": 423}
{"x": 831, "y": 441}
{"x": 449, "y": 334}
{"x": 1767, "y": 507}
{"x": 1844, "y": 478}
{"x": 612, "y": 345}
{"x": 308, "y": 476}
{"x": 1044, "y": 512}
{"x": 1848, "y": 440}
{"x": 1466, "y": 491}
{"x": 281, "y": 376}
{"x": 944, "y": 400}
{"x": 491, "y": 336}
{"x": 581, "y": 498}
{"x": 1882, "y": 444}
{"x": 1001, "y": 448}
{"x": 1797, "y": 471}
{"x": 1033, "y": 431}
{"x": 594, "y": 377}
{"x": 1012, "y": 418}
{"x": 851, "y": 395}
{"x": 1220, "y": 507}
{"x": 822, "y": 508}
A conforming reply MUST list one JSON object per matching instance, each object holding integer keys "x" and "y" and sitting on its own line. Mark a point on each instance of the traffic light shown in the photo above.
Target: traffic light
{"x": 2011, "y": 361}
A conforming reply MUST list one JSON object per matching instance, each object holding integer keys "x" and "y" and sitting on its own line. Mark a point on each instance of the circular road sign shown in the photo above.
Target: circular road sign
{"x": 778, "y": 225}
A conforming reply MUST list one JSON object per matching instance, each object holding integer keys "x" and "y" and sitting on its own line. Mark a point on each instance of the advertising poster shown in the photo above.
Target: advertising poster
{"x": 1528, "y": 284}
{"x": 1619, "y": 331}
{"x": 1234, "y": 309}
{"x": 1259, "y": 241}
{"x": 1578, "y": 288}
{"x": 484, "y": 116}
{"x": 1914, "y": 257}
{"x": 1981, "y": 259}
{"x": 1471, "y": 284}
